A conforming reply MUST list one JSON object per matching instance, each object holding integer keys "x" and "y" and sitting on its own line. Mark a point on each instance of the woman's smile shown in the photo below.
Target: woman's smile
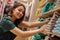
{"x": 18, "y": 12}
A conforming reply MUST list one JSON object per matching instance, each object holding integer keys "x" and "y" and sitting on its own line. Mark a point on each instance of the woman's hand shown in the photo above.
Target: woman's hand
{"x": 47, "y": 20}
{"x": 43, "y": 28}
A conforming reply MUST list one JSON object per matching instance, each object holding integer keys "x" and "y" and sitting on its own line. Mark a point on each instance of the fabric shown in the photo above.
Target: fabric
{"x": 47, "y": 7}
{"x": 5, "y": 26}
{"x": 57, "y": 4}
{"x": 52, "y": 22}
{"x": 57, "y": 25}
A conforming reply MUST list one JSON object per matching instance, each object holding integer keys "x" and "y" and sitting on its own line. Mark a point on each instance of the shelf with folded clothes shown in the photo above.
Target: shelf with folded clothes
{"x": 49, "y": 13}
{"x": 53, "y": 26}
{"x": 54, "y": 32}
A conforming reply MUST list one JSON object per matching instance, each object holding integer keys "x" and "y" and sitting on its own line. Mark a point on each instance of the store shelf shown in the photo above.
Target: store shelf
{"x": 52, "y": 34}
{"x": 49, "y": 13}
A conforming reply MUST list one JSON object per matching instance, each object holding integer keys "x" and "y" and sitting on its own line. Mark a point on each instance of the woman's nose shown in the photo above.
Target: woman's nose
{"x": 21, "y": 13}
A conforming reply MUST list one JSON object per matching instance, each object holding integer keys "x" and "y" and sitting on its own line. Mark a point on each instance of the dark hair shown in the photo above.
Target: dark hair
{"x": 9, "y": 10}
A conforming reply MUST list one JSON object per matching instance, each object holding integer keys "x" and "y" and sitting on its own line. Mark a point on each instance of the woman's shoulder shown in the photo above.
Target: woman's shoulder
{"x": 6, "y": 24}
{"x": 6, "y": 19}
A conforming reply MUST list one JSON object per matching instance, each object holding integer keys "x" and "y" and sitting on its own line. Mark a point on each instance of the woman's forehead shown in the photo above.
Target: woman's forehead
{"x": 20, "y": 7}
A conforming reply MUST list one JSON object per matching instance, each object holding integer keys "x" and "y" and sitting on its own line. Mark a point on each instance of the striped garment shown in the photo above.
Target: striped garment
{"x": 52, "y": 22}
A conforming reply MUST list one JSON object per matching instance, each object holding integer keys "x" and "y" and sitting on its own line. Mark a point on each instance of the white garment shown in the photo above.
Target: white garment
{"x": 57, "y": 3}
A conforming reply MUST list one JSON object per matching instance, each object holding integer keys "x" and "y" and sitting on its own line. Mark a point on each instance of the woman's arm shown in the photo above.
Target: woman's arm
{"x": 33, "y": 24}
{"x": 24, "y": 34}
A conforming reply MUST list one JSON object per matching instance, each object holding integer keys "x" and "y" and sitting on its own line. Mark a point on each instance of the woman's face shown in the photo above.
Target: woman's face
{"x": 18, "y": 12}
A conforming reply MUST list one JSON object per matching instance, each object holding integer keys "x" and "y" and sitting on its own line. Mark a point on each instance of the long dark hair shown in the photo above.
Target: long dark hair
{"x": 9, "y": 9}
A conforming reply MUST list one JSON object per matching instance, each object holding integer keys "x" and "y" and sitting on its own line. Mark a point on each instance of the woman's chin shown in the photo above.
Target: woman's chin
{"x": 18, "y": 17}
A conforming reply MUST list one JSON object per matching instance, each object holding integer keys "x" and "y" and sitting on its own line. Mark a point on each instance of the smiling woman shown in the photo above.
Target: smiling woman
{"x": 13, "y": 16}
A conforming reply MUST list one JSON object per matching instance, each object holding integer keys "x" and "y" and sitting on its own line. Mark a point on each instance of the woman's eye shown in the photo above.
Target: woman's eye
{"x": 19, "y": 10}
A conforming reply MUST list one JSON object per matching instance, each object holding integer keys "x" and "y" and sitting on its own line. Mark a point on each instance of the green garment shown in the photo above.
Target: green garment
{"x": 5, "y": 25}
{"x": 48, "y": 6}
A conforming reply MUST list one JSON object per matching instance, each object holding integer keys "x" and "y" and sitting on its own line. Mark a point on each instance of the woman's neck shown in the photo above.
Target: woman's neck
{"x": 12, "y": 18}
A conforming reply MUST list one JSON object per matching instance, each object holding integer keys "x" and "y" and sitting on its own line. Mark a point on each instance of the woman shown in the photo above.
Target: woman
{"x": 13, "y": 17}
